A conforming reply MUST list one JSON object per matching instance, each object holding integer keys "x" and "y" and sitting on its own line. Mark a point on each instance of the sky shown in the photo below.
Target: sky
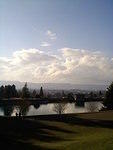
{"x": 67, "y": 41}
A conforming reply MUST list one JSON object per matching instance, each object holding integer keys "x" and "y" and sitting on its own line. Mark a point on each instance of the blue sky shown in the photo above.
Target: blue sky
{"x": 83, "y": 24}
{"x": 66, "y": 41}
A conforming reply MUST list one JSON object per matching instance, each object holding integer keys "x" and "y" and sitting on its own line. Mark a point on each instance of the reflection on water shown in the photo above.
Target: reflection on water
{"x": 7, "y": 110}
{"x": 36, "y": 106}
{"x": 93, "y": 106}
{"x": 51, "y": 108}
{"x": 59, "y": 108}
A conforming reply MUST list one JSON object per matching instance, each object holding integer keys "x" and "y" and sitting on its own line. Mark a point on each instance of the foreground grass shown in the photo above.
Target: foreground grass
{"x": 67, "y": 132}
{"x": 71, "y": 137}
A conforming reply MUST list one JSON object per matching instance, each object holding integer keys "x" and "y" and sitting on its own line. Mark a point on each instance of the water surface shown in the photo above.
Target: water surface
{"x": 50, "y": 108}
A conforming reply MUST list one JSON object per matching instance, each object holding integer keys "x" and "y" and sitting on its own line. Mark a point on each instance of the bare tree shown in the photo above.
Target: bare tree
{"x": 59, "y": 108}
{"x": 23, "y": 107}
{"x": 92, "y": 107}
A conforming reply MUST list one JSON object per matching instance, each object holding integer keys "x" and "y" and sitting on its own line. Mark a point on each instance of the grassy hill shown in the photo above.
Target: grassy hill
{"x": 90, "y": 131}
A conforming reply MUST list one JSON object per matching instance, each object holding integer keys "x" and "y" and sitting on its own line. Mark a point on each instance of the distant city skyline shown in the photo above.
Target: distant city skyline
{"x": 68, "y": 41}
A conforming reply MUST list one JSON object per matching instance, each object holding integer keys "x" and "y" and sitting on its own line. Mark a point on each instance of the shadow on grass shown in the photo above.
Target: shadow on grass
{"x": 16, "y": 133}
{"x": 74, "y": 119}
{"x": 13, "y": 144}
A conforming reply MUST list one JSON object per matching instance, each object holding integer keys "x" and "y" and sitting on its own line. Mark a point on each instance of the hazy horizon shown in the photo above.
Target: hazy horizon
{"x": 13, "y": 81}
{"x": 57, "y": 86}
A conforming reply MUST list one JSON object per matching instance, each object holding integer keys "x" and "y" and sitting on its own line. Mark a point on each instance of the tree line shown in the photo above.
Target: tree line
{"x": 10, "y": 91}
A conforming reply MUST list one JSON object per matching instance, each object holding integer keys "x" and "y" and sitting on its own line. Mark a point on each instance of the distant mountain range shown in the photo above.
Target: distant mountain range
{"x": 56, "y": 86}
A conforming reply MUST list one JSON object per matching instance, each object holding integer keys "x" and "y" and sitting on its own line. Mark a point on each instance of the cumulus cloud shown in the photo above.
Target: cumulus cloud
{"x": 70, "y": 65}
{"x": 51, "y": 35}
{"x": 45, "y": 44}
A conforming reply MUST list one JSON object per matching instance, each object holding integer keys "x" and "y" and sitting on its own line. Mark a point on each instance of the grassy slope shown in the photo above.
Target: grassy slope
{"x": 59, "y": 133}
{"x": 78, "y": 137}
{"x": 107, "y": 115}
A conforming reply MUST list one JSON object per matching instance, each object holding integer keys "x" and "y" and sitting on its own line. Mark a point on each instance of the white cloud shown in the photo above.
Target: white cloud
{"x": 51, "y": 35}
{"x": 45, "y": 44}
{"x": 70, "y": 65}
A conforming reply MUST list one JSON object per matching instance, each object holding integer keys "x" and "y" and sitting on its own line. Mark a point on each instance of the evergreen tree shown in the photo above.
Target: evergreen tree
{"x": 2, "y": 91}
{"x": 8, "y": 91}
{"x": 25, "y": 92}
{"x": 108, "y": 102}
{"x": 100, "y": 93}
{"x": 14, "y": 91}
{"x": 34, "y": 94}
{"x": 41, "y": 92}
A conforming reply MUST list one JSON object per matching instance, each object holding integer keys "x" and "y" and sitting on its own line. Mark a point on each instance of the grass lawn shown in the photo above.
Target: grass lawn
{"x": 66, "y": 132}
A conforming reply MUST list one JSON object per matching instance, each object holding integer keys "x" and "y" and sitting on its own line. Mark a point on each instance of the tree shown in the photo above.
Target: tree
{"x": 25, "y": 91}
{"x": 41, "y": 92}
{"x": 34, "y": 93}
{"x": 108, "y": 102}
{"x": 23, "y": 107}
{"x": 7, "y": 110}
{"x": 14, "y": 91}
{"x": 19, "y": 93}
{"x": 91, "y": 94}
{"x": 8, "y": 91}
{"x": 59, "y": 108}
{"x": 71, "y": 97}
{"x": 92, "y": 106}
{"x": 2, "y": 91}
{"x": 63, "y": 94}
{"x": 100, "y": 93}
